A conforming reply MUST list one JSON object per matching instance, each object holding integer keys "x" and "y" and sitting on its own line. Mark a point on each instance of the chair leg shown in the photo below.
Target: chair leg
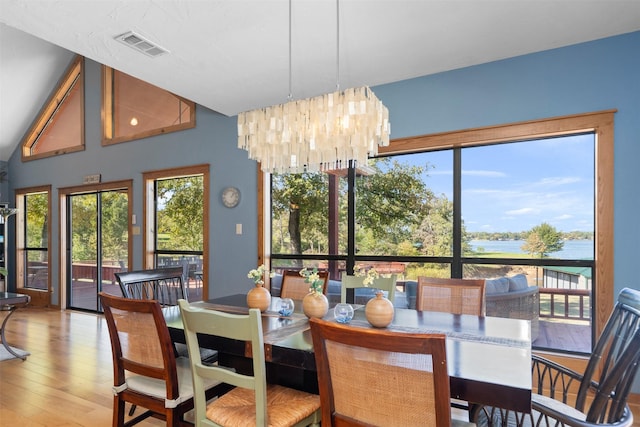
{"x": 132, "y": 410}
{"x": 118, "y": 412}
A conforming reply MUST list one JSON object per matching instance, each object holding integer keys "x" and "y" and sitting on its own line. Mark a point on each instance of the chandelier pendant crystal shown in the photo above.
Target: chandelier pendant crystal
{"x": 316, "y": 134}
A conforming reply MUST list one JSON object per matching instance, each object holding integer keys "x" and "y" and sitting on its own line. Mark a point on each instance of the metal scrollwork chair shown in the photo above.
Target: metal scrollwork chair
{"x": 598, "y": 397}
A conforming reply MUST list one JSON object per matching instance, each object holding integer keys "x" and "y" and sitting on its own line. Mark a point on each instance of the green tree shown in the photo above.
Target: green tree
{"x": 180, "y": 213}
{"x": 542, "y": 240}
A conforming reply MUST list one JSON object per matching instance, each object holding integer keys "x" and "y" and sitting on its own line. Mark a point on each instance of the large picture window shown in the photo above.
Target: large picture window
{"x": 523, "y": 207}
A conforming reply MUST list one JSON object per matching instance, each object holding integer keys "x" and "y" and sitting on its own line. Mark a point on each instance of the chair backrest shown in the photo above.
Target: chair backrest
{"x": 614, "y": 362}
{"x": 234, "y": 326}
{"x": 294, "y": 287}
{"x": 457, "y": 296}
{"x": 383, "y": 283}
{"x": 163, "y": 284}
{"x": 140, "y": 341}
{"x": 355, "y": 371}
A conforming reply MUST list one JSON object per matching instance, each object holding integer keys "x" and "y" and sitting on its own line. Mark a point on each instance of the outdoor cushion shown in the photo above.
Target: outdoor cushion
{"x": 518, "y": 282}
{"x": 496, "y": 286}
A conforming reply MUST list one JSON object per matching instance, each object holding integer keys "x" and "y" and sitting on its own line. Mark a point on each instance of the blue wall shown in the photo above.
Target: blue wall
{"x": 593, "y": 76}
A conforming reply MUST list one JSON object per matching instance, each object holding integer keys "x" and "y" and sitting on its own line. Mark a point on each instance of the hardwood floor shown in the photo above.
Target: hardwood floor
{"x": 66, "y": 381}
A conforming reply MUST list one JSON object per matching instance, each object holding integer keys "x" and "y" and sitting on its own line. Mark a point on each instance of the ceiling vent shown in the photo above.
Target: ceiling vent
{"x": 139, "y": 43}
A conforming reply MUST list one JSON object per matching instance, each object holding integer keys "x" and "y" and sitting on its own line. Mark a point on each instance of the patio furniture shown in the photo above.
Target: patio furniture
{"x": 597, "y": 397}
{"x": 252, "y": 402}
{"x": 457, "y": 296}
{"x": 146, "y": 371}
{"x": 381, "y": 377}
{"x": 512, "y": 297}
{"x": 381, "y": 283}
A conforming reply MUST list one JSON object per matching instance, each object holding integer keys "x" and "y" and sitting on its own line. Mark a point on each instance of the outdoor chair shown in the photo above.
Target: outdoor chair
{"x": 381, "y": 377}
{"x": 294, "y": 285}
{"x": 382, "y": 283}
{"x": 457, "y": 296}
{"x": 598, "y": 397}
{"x": 253, "y": 402}
{"x": 146, "y": 371}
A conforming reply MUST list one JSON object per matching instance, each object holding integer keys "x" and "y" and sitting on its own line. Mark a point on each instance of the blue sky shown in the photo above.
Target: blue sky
{"x": 516, "y": 186}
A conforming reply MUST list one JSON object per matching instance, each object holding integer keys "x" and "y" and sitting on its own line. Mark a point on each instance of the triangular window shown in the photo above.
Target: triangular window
{"x": 59, "y": 128}
{"x": 135, "y": 109}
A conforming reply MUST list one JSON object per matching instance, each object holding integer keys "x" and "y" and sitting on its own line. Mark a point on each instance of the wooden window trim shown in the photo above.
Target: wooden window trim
{"x": 107, "y": 114}
{"x": 74, "y": 71}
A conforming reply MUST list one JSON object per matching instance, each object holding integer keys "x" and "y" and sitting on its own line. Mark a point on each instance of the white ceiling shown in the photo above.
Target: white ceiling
{"x": 233, "y": 55}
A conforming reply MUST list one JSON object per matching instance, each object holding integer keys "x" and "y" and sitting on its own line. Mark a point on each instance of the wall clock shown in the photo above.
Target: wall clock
{"x": 230, "y": 197}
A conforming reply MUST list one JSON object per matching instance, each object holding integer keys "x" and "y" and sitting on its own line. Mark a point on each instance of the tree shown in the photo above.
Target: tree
{"x": 542, "y": 240}
{"x": 180, "y": 213}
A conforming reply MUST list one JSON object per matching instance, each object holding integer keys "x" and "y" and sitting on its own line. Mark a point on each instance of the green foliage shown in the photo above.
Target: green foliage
{"x": 180, "y": 213}
{"x": 542, "y": 240}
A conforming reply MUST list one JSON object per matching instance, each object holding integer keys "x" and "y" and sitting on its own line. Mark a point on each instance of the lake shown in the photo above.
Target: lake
{"x": 573, "y": 249}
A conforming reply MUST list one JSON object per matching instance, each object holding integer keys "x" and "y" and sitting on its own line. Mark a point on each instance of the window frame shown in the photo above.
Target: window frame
{"x": 600, "y": 123}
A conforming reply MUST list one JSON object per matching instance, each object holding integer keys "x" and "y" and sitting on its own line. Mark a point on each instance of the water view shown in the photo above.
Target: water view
{"x": 573, "y": 249}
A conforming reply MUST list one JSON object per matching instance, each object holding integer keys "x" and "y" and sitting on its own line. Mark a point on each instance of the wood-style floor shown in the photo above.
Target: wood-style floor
{"x": 67, "y": 379}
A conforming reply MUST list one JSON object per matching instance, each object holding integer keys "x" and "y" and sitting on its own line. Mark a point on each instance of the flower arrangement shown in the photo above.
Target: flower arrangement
{"x": 313, "y": 279}
{"x": 369, "y": 275}
{"x": 257, "y": 274}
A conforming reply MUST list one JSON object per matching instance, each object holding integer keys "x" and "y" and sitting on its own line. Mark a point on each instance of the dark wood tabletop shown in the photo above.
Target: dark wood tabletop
{"x": 489, "y": 358}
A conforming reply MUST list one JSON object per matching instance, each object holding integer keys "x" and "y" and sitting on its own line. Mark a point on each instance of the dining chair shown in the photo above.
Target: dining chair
{"x": 146, "y": 371}
{"x": 252, "y": 402}
{"x": 293, "y": 285}
{"x": 381, "y": 377}
{"x": 597, "y": 397}
{"x": 383, "y": 283}
{"x": 457, "y": 296}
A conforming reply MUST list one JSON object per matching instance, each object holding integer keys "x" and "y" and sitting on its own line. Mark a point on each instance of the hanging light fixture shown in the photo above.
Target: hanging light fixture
{"x": 316, "y": 134}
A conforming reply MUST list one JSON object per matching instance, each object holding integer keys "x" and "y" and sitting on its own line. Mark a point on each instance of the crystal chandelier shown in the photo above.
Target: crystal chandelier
{"x": 316, "y": 134}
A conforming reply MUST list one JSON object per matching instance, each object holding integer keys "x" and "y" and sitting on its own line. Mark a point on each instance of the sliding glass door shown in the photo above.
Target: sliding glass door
{"x": 97, "y": 245}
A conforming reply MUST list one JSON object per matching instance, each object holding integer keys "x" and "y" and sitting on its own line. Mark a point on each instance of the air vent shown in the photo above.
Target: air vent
{"x": 139, "y": 43}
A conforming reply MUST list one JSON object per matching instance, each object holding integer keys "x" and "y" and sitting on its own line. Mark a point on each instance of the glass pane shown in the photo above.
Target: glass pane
{"x": 141, "y": 108}
{"x": 300, "y": 214}
{"x": 179, "y": 214}
{"x": 556, "y": 300}
{"x": 114, "y": 239}
{"x": 84, "y": 249}
{"x": 404, "y": 206}
{"x": 191, "y": 271}
{"x": 37, "y": 241}
{"x": 530, "y": 199}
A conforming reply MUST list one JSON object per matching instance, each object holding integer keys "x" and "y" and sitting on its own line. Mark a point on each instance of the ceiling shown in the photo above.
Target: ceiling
{"x": 232, "y": 56}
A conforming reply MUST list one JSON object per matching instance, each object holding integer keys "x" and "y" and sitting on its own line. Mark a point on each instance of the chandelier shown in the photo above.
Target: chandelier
{"x": 316, "y": 134}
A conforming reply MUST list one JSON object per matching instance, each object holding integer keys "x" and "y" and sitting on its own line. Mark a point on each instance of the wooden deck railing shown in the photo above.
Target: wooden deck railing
{"x": 564, "y": 299}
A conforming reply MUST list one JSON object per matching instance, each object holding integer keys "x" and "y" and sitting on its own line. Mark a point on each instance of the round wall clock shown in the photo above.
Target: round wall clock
{"x": 230, "y": 197}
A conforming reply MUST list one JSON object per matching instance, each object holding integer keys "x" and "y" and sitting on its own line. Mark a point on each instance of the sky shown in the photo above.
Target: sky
{"x": 516, "y": 186}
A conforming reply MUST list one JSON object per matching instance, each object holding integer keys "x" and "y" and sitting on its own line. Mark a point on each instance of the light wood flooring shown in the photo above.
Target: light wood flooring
{"x": 66, "y": 381}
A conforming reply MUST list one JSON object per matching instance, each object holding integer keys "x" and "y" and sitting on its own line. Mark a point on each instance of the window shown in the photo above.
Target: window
{"x": 33, "y": 237}
{"x": 59, "y": 128}
{"x": 176, "y": 212}
{"x": 434, "y": 229}
{"x": 135, "y": 109}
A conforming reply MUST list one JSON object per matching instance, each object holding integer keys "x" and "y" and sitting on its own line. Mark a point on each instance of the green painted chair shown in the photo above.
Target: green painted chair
{"x": 252, "y": 401}
{"x": 383, "y": 283}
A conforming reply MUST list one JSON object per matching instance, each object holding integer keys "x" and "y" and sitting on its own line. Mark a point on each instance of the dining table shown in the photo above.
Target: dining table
{"x": 488, "y": 358}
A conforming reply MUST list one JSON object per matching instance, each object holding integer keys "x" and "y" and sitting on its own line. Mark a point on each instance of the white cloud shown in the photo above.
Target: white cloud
{"x": 484, "y": 173}
{"x": 522, "y": 211}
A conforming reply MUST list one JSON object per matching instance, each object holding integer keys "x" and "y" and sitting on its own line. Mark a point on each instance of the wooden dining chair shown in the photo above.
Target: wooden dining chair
{"x": 146, "y": 370}
{"x": 383, "y": 283}
{"x": 381, "y": 377}
{"x": 253, "y": 402}
{"x": 597, "y": 397}
{"x": 457, "y": 296}
{"x": 293, "y": 285}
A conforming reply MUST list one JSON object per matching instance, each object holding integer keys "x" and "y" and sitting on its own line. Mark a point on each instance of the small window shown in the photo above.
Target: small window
{"x": 59, "y": 128}
{"x": 135, "y": 109}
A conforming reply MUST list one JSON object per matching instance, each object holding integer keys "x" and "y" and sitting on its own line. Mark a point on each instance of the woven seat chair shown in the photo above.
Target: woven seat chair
{"x": 383, "y": 283}
{"x": 294, "y": 285}
{"x": 376, "y": 377}
{"x": 598, "y": 397}
{"x": 253, "y": 402}
{"x": 146, "y": 370}
{"x": 457, "y": 296}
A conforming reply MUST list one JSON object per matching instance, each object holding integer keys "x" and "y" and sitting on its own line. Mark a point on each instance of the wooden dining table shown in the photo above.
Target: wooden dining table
{"x": 488, "y": 358}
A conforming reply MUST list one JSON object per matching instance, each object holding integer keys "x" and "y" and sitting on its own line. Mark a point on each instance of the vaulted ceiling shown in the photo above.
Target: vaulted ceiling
{"x": 232, "y": 56}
